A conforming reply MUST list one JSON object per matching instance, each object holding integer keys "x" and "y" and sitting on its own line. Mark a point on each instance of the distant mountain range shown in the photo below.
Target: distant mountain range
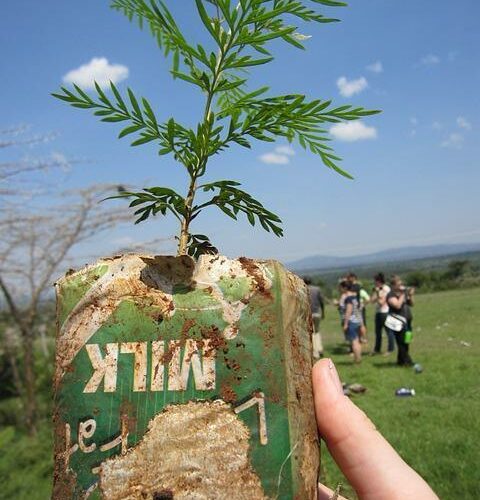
{"x": 318, "y": 262}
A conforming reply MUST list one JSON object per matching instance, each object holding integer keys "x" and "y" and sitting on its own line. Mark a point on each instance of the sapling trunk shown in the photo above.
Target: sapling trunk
{"x": 185, "y": 223}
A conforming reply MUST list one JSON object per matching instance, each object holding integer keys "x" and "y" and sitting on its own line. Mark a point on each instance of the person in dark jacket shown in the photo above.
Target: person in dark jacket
{"x": 400, "y": 301}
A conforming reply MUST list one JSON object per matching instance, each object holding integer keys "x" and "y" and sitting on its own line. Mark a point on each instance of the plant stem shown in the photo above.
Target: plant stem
{"x": 185, "y": 223}
{"x": 202, "y": 162}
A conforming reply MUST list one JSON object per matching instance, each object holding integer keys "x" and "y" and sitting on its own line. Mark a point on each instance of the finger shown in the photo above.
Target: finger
{"x": 325, "y": 493}
{"x": 371, "y": 465}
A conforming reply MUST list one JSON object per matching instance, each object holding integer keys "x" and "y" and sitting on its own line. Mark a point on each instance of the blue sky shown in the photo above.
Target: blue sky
{"x": 415, "y": 165}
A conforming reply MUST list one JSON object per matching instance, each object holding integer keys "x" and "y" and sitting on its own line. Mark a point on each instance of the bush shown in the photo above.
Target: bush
{"x": 26, "y": 465}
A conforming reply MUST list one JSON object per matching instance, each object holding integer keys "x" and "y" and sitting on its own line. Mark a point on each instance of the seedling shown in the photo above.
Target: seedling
{"x": 241, "y": 33}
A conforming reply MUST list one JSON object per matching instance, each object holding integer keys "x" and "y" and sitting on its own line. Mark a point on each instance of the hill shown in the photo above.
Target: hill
{"x": 321, "y": 262}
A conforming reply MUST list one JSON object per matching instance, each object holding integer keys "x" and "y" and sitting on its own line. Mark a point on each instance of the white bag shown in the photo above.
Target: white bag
{"x": 395, "y": 322}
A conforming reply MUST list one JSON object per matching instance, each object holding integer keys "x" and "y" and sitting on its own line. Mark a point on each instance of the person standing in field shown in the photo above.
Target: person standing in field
{"x": 317, "y": 306}
{"x": 340, "y": 302}
{"x": 364, "y": 299}
{"x": 352, "y": 320}
{"x": 400, "y": 301}
{"x": 379, "y": 296}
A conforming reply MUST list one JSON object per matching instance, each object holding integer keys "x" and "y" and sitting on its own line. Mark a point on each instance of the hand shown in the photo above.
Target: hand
{"x": 372, "y": 466}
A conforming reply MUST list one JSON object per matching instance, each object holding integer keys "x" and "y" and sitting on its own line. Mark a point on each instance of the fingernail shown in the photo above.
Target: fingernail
{"x": 334, "y": 376}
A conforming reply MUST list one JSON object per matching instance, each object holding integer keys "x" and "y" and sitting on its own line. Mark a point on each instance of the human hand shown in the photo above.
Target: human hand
{"x": 371, "y": 465}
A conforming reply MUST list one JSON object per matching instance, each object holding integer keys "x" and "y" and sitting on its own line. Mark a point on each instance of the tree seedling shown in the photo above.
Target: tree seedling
{"x": 240, "y": 33}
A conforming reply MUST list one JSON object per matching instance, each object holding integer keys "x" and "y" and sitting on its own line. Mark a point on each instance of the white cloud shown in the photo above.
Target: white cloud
{"x": 454, "y": 140}
{"x": 462, "y": 122}
{"x": 348, "y": 88}
{"x": 279, "y": 156}
{"x": 274, "y": 159}
{"x": 285, "y": 150}
{"x": 353, "y": 131}
{"x": 430, "y": 60}
{"x": 437, "y": 126}
{"x": 99, "y": 70}
{"x": 376, "y": 67}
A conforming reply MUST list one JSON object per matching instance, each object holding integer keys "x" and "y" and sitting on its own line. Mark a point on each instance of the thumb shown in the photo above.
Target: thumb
{"x": 372, "y": 466}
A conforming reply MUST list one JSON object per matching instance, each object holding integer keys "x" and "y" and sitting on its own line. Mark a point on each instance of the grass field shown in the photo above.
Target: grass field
{"x": 437, "y": 431}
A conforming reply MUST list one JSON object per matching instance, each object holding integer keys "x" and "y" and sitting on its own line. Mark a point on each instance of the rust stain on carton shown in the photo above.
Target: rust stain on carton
{"x": 194, "y": 450}
{"x": 252, "y": 268}
{"x": 121, "y": 282}
{"x": 64, "y": 478}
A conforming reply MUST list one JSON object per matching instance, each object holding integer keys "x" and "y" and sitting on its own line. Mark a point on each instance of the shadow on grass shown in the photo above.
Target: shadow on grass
{"x": 386, "y": 364}
{"x": 339, "y": 349}
{"x": 347, "y": 362}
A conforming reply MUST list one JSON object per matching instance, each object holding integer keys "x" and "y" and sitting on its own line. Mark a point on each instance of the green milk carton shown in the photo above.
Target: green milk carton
{"x": 184, "y": 379}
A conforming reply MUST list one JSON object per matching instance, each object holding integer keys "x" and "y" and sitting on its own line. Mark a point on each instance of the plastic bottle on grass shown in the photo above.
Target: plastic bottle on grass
{"x": 404, "y": 391}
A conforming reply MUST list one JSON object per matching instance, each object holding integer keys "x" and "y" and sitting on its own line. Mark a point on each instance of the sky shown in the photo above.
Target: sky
{"x": 416, "y": 165}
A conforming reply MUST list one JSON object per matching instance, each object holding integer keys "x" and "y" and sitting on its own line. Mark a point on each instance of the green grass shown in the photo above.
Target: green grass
{"x": 26, "y": 464}
{"x": 436, "y": 431}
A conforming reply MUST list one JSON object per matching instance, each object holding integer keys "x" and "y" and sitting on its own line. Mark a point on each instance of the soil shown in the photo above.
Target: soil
{"x": 192, "y": 450}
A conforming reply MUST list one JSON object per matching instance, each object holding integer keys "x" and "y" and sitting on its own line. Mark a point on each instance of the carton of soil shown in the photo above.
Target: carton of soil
{"x": 184, "y": 379}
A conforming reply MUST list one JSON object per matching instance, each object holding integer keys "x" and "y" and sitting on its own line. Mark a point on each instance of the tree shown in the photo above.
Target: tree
{"x": 21, "y": 170}
{"x": 457, "y": 269}
{"x": 37, "y": 242}
{"x": 240, "y": 35}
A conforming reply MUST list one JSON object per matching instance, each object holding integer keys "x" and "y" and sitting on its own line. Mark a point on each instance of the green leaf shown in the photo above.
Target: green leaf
{"x": 149, "y": 112}
{"x": 82, "y": 93}
{"x": 249, "y": 61}
{"x": 143, "y": 140}
{"x": 134, "y": 102}
{"x": 188, "y": 78}
{"x": 129, "y": 130}
{"x": 207, "y": 21}
{"x": 331, "y": 3}
{"x": 117, "y": 95}
{"x": 115, "y": 118}
{"x": 102, "y": 95}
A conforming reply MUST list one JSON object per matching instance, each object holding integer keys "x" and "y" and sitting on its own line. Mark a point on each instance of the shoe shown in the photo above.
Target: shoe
{"x": 374, "y": 353}
{"x": 387, "y": 353}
